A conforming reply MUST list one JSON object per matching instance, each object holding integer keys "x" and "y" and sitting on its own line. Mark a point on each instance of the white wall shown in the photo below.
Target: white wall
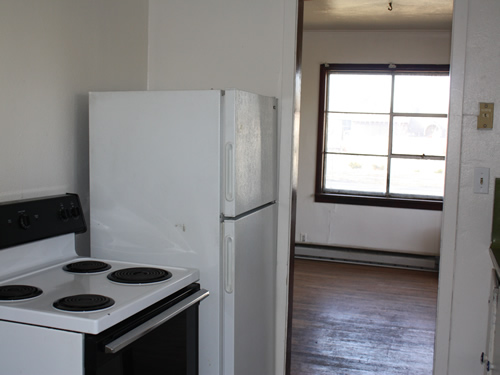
{"x": 52, "y": 52}
{"x": 465, "y": 264}
{"x": 221, "y": 44}
{"x": 389, "y": 229}
{"x": 248, "y": 45}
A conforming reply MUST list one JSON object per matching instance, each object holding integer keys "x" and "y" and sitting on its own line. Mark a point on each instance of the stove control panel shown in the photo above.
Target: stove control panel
{"x": 30, "y": 220}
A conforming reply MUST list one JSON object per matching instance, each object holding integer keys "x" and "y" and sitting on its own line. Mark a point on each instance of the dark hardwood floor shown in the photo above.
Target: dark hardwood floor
{"x": 354, "y": 319}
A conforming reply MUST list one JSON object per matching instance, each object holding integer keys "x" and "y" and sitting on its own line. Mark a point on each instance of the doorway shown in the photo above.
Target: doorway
{"x": 351, "y": 42}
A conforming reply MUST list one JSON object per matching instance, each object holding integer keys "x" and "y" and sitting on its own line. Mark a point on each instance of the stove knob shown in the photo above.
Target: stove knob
{"x": 25, "y": 221}
{"x": 75, "y": 212}
{"x": 64, "y": 214}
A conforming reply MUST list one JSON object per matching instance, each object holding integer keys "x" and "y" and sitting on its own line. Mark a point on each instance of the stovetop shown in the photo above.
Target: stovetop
{"x": 57, "y": 283}
{"x": 37, "y": 239}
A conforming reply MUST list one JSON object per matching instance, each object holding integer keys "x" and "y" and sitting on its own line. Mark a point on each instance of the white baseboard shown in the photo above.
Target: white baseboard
{"x": 371, "y": 257}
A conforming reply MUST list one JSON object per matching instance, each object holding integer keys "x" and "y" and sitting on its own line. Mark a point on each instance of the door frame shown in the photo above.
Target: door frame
{"x": 450, "y": 202}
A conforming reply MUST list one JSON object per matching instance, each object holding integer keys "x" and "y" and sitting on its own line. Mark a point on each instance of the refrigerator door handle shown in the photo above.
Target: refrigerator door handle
{"x": 229, "y": 172}
{"x": 228, "y": 264}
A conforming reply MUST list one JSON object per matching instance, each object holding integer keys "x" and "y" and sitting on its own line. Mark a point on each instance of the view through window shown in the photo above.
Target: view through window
{"x": 382, "y": 135}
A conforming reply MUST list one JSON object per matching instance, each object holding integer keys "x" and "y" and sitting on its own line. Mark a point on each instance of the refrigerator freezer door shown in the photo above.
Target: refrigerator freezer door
{"x": 249, "y": 261}
{"x": 249, "y": 150}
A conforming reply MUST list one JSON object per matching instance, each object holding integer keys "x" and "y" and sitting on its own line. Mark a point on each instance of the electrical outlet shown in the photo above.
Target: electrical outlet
{"x": 303, "y": 237}
{"x": 481, "y": 180}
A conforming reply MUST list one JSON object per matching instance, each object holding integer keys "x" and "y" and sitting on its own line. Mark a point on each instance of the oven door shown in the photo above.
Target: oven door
{"x": 160, "y": 339}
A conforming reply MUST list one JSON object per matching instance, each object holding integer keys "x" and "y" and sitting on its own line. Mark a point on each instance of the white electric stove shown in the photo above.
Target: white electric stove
{"x": 90, "y": 314}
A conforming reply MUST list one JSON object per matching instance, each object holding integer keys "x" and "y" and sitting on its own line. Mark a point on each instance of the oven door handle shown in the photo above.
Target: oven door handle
{"x": 138, "y": 332}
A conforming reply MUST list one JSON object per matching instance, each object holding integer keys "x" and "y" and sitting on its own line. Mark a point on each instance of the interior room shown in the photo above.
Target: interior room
{"x": 405, "y": 34}
{"x": 375, "y": 228}
{"x": 54, "y": 52}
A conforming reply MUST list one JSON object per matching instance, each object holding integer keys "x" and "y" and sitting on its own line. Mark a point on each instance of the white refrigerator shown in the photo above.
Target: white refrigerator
{"x": 188, "y": 178}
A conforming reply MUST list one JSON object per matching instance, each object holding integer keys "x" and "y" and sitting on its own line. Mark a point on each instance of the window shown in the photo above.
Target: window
{"x": 382, "y": 135}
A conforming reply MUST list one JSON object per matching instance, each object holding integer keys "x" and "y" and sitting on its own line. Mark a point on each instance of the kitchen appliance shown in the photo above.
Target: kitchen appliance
{"x": 64, "y": 314}
{"x": 192, "y": 174}
{"x": 491, "y": 356}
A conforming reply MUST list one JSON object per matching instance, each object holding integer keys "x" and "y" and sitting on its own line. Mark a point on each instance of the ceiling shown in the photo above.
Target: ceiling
{"x": 375, "y": 14}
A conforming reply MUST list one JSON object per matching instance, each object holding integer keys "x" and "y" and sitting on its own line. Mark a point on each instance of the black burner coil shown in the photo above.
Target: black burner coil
{"x": 84, "y": 302}
{"x": 140, "y": 275}
{"x": 87, "y": 266}
{"x": 18, "y": 292}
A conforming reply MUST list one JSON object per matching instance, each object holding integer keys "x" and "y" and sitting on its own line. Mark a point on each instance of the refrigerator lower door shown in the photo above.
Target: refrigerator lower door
{"x": 249, "y": 262}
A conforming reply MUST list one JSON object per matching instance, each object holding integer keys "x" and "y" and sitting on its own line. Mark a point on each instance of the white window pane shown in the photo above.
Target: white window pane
{"x": 419, "y": 135}
{"x": 356, "y": 173}
{"x": 417, "y": 177}
{"x": 357, "y": 134}
{"x": 359, "y": 93}
{"x": 421, "y": 94}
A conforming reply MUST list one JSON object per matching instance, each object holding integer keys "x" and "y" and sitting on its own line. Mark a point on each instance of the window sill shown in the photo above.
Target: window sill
{"x": 419, "y": 204}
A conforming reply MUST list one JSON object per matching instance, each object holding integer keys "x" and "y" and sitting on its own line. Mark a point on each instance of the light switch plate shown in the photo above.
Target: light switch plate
{"x": 481, "y": 180}
{"x": 485, "y": 118}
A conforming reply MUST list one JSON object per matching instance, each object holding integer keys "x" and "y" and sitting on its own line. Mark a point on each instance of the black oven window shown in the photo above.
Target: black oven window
{"x": 172, "y": 348}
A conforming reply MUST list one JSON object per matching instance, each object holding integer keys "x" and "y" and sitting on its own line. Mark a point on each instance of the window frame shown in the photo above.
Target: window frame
{"x": 361, "y": 199}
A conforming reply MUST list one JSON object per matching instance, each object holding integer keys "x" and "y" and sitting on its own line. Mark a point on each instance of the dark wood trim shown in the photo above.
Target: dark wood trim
{"x": 359, "y": 200}
{"x": 324, "y": 197}
{"x": 295, "y": 173}
{"x": 320, "y": 143}
{"x": 410, "y": 68}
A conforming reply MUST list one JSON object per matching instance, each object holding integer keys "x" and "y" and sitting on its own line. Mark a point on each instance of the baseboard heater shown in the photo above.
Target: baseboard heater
{"x": 370, "y": 257}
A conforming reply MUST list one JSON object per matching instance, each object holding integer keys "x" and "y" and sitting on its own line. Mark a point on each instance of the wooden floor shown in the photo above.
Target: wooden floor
{"x": 353, "y": 319}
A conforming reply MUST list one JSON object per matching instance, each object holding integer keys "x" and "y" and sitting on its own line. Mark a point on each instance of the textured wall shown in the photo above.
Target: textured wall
{"x": 382, "y": 228}
{"x": 53, "y": 53}
{"x": 466, "y": 273}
